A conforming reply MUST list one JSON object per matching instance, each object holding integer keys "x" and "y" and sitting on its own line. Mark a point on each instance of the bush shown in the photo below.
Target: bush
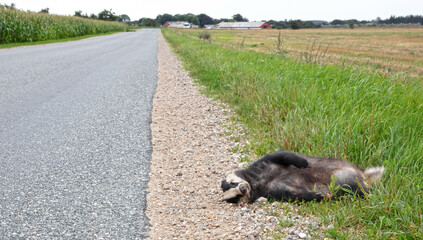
{"x": 205, "y": 35}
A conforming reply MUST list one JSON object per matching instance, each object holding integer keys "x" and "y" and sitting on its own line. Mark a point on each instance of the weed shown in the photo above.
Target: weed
{"x": 315, "y": 53}
{"x": 279, "y": 48}
{"x": 204, "y": 35}
{"x": 285, "y": 223}
{"x": 245, "y": 159}
{"x": 242, "y": 43}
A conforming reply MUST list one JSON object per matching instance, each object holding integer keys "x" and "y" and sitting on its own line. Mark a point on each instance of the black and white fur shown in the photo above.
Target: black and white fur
{"x": 284, "y": 175}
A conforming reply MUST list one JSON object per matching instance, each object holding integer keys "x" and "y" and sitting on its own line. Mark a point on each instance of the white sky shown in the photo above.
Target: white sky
{"x": 253, "y": 10}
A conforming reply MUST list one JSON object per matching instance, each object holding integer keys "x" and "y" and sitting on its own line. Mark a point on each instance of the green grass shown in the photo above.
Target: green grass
{"x": 17, "y": 26}
{"x": 366, "y": 118}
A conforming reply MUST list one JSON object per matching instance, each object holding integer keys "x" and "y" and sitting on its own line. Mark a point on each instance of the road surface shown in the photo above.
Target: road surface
{"x": 75, "y": 139}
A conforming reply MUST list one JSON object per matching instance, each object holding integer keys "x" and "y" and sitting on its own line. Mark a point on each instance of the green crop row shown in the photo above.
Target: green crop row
{"x": 18, "y": 26}
{"x": 366, "y": 118}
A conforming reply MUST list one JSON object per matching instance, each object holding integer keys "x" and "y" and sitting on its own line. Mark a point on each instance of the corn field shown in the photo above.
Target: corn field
{"x": 19, "y": 26}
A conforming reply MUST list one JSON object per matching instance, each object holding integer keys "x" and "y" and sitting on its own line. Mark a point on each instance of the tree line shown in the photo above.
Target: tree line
{"x": 392, "y": 20}
{"x": 105, "y": 15}
{"x": 403, "y": 20}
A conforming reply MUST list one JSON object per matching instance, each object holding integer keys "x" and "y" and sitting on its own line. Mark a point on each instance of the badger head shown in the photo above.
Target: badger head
{"x": 235, "y": 189}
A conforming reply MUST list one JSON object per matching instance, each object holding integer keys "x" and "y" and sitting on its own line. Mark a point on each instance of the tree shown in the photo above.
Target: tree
{"x": 224, "y": 20}
{"x": 107, "y": 15}
{"x": 162, "y": 19}
{"x": 279, "y": 24}
{"x": 338, "y": 22}
{"x": 308, "y": 24}
{"x": 204, "y": 19}
{"x": 179, "y": 17}
{"x": 12, "y": 6}
{"x": 191, "y": 18}
{"x": 239, "y": 18}
{"x": 45, "y": 10}
{"x": 407, "y": 19}
{"x": 78, "y": 13}
{"x": 124, "y": 18}
{"x": 352, "y": 22}
{"x": 147, "y": 22}
{"x": 295, "y": 24}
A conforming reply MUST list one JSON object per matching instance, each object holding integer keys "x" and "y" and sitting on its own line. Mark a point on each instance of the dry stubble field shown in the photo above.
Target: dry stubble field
{"x": 383, "y": 49}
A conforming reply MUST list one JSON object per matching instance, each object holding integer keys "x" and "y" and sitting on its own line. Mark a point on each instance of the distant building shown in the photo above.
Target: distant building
{"x": 336, "y": 26}
{"x": 243, "y": 25}
{"x": 318, "y": 22}
{"x": 176, "y": 24}
{"x": 210, "y": 26}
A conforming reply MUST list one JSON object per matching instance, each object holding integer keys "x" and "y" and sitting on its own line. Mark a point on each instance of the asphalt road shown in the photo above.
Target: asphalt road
{"x": 75, "y": 139}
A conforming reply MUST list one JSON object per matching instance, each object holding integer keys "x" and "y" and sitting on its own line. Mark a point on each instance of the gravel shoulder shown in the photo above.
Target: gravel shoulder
{"x": 192, "y": 152}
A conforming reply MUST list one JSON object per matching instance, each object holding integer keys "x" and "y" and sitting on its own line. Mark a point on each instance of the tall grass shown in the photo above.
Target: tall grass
{"x": 367, "y": 118}
{"x": 18, "y": 26}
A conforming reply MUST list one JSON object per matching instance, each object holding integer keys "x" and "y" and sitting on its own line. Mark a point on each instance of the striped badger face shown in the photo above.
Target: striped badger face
{"x": 235, "y": 189}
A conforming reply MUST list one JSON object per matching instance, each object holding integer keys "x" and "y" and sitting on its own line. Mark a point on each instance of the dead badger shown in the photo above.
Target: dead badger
{"x": 284, "y": 175}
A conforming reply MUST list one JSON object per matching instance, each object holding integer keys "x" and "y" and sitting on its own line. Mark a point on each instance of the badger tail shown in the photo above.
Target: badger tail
{"x": 374, "y": 174}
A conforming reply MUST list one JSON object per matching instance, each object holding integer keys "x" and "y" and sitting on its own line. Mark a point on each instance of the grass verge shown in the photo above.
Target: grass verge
{"x": 11, "y": 45}
{"x": 326, "y": 110}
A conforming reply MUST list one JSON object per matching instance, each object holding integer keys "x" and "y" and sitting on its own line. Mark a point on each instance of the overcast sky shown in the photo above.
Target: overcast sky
{"x": 253, "y": 10}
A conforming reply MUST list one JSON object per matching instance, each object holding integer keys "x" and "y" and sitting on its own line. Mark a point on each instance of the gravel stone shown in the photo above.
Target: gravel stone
{"x": 302, "y": 235}
{"x": 191, "y": 154}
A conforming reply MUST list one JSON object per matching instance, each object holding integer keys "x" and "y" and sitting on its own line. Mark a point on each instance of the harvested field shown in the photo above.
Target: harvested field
{"x": 383, "y": 49}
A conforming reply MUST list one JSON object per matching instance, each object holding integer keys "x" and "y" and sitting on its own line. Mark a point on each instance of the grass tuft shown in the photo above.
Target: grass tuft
{"x": 204, "y": 35}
